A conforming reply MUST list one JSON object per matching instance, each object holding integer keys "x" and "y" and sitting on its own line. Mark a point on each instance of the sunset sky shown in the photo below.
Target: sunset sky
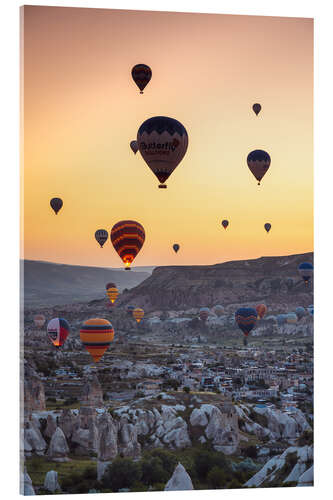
{"x": 81, "y": 110}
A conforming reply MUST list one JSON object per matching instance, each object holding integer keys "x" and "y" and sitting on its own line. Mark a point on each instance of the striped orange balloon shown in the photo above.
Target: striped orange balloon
{"x": 138, "y": 314}
{"x": 112, "y": 293}
{"x": 96, "y": 335}
{"x": 127, "y": 237}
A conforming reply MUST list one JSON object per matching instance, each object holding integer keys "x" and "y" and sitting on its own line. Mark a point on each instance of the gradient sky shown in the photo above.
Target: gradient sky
{"x": 82, "y": 108}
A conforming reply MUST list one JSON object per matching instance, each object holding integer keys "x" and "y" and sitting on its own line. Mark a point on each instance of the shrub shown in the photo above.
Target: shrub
{"x": 250, "y": 451}
{"x": 186, "y": 389}
{"x": 216, "y": 477}
{"x": 122, "y": 473}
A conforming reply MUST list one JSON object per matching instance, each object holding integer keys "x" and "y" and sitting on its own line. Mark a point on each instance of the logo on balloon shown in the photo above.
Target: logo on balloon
{"x": 159, "y": 147}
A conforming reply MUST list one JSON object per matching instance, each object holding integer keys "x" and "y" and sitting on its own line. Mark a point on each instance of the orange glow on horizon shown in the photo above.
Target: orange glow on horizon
{"x": 82, "y": 109}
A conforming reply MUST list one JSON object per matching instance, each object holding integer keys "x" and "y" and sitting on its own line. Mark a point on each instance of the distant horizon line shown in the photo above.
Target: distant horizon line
{"x": 165, "y": 265}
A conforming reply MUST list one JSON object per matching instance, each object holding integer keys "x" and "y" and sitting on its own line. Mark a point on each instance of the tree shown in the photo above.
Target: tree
{"x": 122, "y": 473}
{"x": 216, "y": 477}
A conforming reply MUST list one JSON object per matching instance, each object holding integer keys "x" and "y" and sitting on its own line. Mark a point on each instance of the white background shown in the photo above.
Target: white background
{"x": 10, "y": 212}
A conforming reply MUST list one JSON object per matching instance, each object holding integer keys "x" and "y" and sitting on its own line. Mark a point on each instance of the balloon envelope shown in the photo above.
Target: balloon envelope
{"x": 258, "y": 162}
{"x": 127, "y": 237}
{"x": 246, "y": 319}
{"x": 176, "y": 247}
{"x": 267, "y": 226}
{"x": 57, "y": 331}
{"x": 291, "y": 318}
{"x": 39, "y": 320}
{"x": 218, "y": 310}
{"x": 138, "y": 314}
{"x": 112, "y": 293}
{"x": 204, "y": 313}
{"x": 225, "y": 223}
{"x": 162, "y": 143}
{"x": 130, "y": 309}
{"x": 256, "y": 108}
{"x": 101, "y": 235}
{"x": 56, "y": 204}
{"x": 306, "y": 271}
{"x": 134, "y": 146}
{"x": 300, "y": 312}
{"x": 110, "y": 285}
{"x": 261, "y": 310}
{"x": 141, "y": 74}
{"x": 96, "y": 335}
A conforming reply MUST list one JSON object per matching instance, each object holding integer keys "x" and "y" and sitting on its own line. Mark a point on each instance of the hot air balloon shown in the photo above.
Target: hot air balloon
{"x": 39, "y": 320}
{"x": 204, "y": 313}
{"x": 112, "y": 293}
{"x": 130, "y": 310}
{"x": 162, "y": 143}
{"x": 57, "y": 331}
{"x": 56, "y": 204}
{"x": 310, "y": 310}
{"x": 127, "y": 237}
{"x": 134, "y": 146}
{"x": 246, "y": 319}
{"x": 258, "y": 162}
{"x": 138, "y": 314}
{"x": 101, "y": 236}
{"x": 281, "y": 319}
{"x": 176, "y": 247}
{"x": 306, "y": 271}
{"x": 218, "y": 310}
{"x": 291, "y": 318}
{"x": 110, "y": 285}
{"x": 261, "y": 310}
{"x": 225, "y": 223}
{"x": 267, "y": 226}
{"x": 141, "y": 74}
{"x": 256, "y": 108}
{"x": 300, "y": 312}
{"x": 96, "y": 335}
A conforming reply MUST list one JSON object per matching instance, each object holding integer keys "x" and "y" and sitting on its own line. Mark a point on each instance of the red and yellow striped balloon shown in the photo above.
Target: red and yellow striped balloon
{"x": 138, "y": 314}
{"x": 127, "y": 237}
{"x": 96, "y": 335}
{"x": 112, "y": 293}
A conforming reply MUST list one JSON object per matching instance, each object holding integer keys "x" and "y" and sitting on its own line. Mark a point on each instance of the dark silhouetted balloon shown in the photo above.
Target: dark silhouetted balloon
{"x": 225, "y": 223}
{"x": 176, "y": 247}
{"x": 306, "y": 271}
{"x": 134, "y": 146}
{"x": 56, "y": 204}
{"x": 127, "y": 237}
{"x": 101, "y": 235}
{"x": 256, "y": 108}
{"x": 258, "y": 162}
{"x": 141, "y": 74}
{"x": 267, "y": 226}
{"x": 162, "y": 143}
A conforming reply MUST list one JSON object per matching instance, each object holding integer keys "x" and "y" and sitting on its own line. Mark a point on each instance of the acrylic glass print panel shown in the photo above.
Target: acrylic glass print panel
{"x": 167, "y": 328}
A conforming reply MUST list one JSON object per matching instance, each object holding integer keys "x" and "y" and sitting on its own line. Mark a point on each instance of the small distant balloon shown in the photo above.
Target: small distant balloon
{"x": 130, "y": 309}
{"x": 256, "y": 108}
{"x": 134, "y": 146}
{"x": 204, "y": 313}
{"x": 112, "y": 293}
{"x": 246, "y": 319}
{"x": 225, "y": 223}
{"x": 261, "y": 310}
{"x": 110, "y": 285}
{"x": 306, "y": 271}
{"x": 56, "y": 204}
{"x": 141, "y": 74}
{"x": 57, "y": 331}
{"x": 176, "y": 247}
{"x": 39, "y": 320}
{"x": 101, "y": 235}
{"x": 258, "y": 162}
{"x": 300, "y": 312}
{"x": 138, "y": 314}
{"x": 218, "y": 310}
{"x": 267, "y": 226}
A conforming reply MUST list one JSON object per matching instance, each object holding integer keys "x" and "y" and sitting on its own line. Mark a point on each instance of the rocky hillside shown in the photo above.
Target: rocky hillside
{"x": 271, "y": 279}
{"x": 57, "y": 284}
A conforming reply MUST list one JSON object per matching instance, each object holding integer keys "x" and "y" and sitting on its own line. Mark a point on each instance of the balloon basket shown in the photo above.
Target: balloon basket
{"x": 162, "y": 186}
{"x": 127, "y": 268}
